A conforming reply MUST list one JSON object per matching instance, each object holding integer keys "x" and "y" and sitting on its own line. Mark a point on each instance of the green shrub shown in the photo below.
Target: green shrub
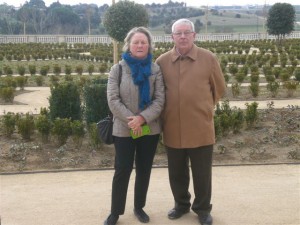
{"x": 79, "y": 69}
{"x": 267, "y": 70}
{"x": 56, "y": 69}
{"x": 297, "y": 74}
{"x": 237, "y": 120}
{"x": 44, "y": 70}
{"x": 228, "y": 119}
{"x": 43, "y": 125}
{"x": 283, "y": 62}
{"x": 93, "y": 134}
{"x": 240, "y": 77}
{"x": 226, "y": 77}
{"x": 21, "y": 70}
{"x": 244, "y": 70}
{"x": 39, "y": 80}
{"x": 218, "y": 127}
{"x": 21, "y": 81}
{"x": 65, "y": 101}
{"x": 254, "y": 89}
{"x": 25, "y": 125}
{"x": 235, "y": 89}
{"x": 225, "y": 122}
{"x": 103, "y": 68}
{"x": 251, "y": 116}
{"x": 233, "y": 69}
{"x": 82, "y": 81}
{"x": 291, "y": 87}
{"x": 254, "y": 77}
{"x": 7, "y": 94}
{"x": 273, "y": 87}
{"x": 254, "y": 68}
{"x": 8, "y": 123}
{"x": 68, "y": 69}
{"x": 91, "y": 69}
{"x": 8, "y": 81}
{"x": 44, "y": 111}
{"x": 78, "y": 132}
{"x": 95, "y": 100}
{"x": 68, "y": 77}
{"x": 32, "y": 69}
{"x": 54, "y": 80}
{"x": 61, "y": 130}
{"x": 8, "y": 57}
{"x": 7, "y": 70}
{"x": 276, "y": 72}
{"x": 294, "y": 63}
{"x": 270, "y": 78}
{"x": 284, "y": 75}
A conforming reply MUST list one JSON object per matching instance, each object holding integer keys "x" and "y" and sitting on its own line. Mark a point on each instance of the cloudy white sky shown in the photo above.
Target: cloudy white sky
{"x": 189, "y": 2}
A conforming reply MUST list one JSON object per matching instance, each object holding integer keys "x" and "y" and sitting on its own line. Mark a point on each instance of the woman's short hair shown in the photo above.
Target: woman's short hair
{"x": 135, "y": 30}
{"x": 180, "y": 21}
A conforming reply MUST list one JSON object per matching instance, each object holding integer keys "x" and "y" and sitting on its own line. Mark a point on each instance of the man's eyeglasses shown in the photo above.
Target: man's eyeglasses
{"x": 184, "y": 33}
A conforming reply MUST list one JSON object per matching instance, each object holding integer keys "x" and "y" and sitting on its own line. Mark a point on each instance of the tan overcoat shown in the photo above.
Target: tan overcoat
{"x": 194, "y": 84}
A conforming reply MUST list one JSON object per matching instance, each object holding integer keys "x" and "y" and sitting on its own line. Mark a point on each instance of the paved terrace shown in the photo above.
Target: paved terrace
{"x": 242, "y": 195}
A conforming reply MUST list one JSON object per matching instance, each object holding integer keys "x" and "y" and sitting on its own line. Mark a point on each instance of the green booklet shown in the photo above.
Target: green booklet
{"x": 145, "y": 131}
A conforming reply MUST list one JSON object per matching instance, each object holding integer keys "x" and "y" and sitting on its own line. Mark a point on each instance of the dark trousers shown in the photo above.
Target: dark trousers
{"x": 128, "y": 150}
{"x": 179, "y": 177}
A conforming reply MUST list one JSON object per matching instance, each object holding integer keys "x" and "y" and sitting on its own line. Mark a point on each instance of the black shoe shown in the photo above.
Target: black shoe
{"x": 205, "y": 219}
{"x": 111, "y": 220}
{"x": 141, "y": 215}
{"x": 176, "y": 213}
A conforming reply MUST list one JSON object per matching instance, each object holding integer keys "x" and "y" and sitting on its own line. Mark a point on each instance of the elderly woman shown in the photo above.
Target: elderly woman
{"x": 135, "y": 98}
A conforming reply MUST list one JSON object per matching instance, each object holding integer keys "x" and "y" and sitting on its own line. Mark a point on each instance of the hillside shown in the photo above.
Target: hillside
{"x": 36, "y": 18}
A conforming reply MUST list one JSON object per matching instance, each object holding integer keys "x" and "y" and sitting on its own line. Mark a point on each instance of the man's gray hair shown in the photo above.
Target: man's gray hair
{"x": 135, "y": 30}
{"x": 183, "y": 21}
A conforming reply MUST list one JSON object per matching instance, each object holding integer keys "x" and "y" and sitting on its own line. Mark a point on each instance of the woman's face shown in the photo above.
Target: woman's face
{"x": 139, "y": 46}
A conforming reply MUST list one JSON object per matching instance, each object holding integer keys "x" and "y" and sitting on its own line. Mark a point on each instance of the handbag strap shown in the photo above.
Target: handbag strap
{"x": 120, "y": 79}
{"x": 120, "y": 74}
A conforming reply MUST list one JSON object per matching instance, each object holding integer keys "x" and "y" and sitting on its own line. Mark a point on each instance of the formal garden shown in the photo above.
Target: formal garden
{"x": 64, "y": 134}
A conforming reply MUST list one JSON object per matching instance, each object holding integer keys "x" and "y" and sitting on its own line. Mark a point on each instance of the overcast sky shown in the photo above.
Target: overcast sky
{"x": 189, "y": 2}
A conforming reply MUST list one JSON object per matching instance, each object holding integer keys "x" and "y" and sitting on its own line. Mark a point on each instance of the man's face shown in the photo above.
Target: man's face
{"x": 183, "y": 37}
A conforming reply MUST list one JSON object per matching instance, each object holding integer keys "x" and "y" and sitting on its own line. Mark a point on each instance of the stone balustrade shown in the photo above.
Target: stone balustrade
{"x": 72, "y": 39}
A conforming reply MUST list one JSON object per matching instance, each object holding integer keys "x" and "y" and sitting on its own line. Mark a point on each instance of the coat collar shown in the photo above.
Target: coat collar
{"x": 192, "y": 54}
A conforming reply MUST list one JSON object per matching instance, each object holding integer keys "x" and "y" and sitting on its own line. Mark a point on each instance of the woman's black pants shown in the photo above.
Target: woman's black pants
{"x": 128, "y": 150}
{"x": 179, "y": 177}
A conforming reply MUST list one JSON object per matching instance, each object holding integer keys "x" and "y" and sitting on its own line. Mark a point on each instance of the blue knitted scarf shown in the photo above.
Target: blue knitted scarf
{"x": 140, "y": 72}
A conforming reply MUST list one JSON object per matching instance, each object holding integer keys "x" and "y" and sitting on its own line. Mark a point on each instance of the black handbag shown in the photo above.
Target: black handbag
{"x": 105, "y": 126}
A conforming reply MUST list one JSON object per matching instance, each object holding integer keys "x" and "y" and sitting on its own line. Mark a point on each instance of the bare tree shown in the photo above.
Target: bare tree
{"x": 24, "y": 16}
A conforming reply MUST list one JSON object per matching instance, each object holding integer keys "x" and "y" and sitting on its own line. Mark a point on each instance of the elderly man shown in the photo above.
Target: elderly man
{"x": 194, "y": 84}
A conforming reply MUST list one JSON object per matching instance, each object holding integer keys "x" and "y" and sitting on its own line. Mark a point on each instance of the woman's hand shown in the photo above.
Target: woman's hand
{"x": 138, "y": 131}
{"x": 135, "y": 122}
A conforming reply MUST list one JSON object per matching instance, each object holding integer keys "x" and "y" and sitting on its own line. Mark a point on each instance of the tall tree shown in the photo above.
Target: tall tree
{"x": 8, "y": 22}
{"x": 123, "y": 16}
{"x": 37, "y": 15}
{"x": 24, "y": 16}
{"x": 88, "y": 13}
{"x": 40, "y": 4}
{"x": 63, "y": 20}
{"x": 281, "y": 20}
{"x": 198, "y": 25}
